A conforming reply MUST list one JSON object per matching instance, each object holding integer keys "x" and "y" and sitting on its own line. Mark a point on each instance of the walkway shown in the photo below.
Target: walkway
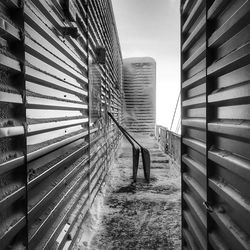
{"x": 136, "y": 216}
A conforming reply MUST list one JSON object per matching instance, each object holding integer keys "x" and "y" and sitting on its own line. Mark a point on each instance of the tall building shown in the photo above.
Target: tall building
{"x": 139, "y": 82}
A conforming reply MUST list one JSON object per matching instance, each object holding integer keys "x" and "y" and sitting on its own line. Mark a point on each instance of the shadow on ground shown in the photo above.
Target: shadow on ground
{"x": 138, "y": 215}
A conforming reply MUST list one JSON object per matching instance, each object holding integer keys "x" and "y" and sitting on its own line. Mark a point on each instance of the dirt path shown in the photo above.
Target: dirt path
{"x": 140, "y": 215}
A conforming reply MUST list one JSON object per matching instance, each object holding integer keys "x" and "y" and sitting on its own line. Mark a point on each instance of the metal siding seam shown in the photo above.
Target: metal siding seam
{"x": 25, "y": 122}
{"x": 182, "y": 149}
{"x": 208, "y": 221}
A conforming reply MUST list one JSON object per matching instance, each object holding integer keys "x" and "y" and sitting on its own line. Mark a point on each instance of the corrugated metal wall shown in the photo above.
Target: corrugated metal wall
{"x": 55, "y": 150}
{"x": 216, "y": 124}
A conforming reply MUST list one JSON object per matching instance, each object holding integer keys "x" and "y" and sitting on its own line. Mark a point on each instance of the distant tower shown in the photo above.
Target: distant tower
{"x": 139, "y": 83}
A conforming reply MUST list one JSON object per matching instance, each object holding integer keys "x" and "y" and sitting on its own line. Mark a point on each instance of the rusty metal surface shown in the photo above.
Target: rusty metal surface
{"x": 215, "y": 124}
{"x": 48, "y": 135}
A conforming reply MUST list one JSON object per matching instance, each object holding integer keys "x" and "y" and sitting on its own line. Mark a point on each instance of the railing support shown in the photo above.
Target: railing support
{"x": 136, "y": 152}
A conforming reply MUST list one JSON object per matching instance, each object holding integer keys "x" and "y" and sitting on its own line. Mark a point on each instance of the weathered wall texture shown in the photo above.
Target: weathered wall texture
{"x": 139, "y": 82}
{"x": 216, "y": 124}
{"x": 56, "y": 141}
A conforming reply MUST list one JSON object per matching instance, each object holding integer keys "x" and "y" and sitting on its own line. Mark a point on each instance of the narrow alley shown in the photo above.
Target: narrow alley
{"x": 138, "y": 215}
{"x": 74, "y": 73}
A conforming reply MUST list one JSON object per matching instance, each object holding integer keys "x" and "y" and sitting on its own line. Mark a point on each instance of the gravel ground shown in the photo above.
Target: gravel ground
{"x": 139, "y": 215}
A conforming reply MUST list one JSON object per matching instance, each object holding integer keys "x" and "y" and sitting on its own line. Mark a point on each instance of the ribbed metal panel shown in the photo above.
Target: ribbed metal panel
{"x": 12, "y": 132}
{"x": 194, "y": 215}
{"x": 215, "y": 125}
{"x": 139, "y": 83}
{"x": 46, "y": 123}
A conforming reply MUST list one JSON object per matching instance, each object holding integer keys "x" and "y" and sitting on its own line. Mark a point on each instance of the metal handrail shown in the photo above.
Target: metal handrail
{"x": 136, "y": 152}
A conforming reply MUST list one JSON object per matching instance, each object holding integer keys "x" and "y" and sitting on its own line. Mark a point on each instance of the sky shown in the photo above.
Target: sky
{"x": 151, "y": 28}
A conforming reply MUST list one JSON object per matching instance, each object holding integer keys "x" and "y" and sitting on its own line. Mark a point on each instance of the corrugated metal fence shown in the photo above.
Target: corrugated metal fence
{"x": 55, "y": 150}
{"x": 170, "y": 142}
{"x": 216, "y": 131}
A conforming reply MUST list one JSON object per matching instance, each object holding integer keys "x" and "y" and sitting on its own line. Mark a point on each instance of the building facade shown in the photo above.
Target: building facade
{"x": 139, "y": 83}
{"x": 61, "y": 70}
{"x": 215, "y": 141}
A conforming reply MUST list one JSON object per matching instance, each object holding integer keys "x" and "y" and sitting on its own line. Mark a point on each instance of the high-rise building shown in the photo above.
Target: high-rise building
{"x": 139, "y": 82}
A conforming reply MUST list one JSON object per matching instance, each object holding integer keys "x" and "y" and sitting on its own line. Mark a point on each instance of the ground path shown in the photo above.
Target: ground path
{"x": 140, "y": 215}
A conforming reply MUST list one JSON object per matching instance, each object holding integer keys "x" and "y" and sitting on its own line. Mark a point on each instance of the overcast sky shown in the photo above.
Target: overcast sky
{"x": 151, "y": 28}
